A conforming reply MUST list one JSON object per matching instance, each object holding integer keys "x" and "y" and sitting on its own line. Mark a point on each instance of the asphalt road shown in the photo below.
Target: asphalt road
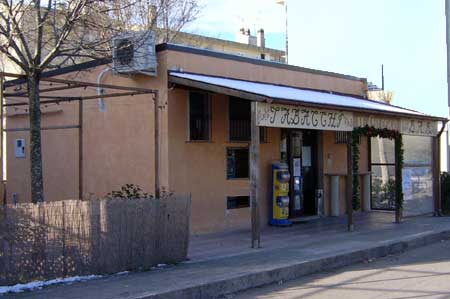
{"x": 419, "y": 273}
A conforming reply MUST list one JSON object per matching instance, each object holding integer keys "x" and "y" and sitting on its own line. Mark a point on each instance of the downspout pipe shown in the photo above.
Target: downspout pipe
{"x": 437, "y": 171}
{"x": 444, "y": 123}
{"x": 100, "y": 90}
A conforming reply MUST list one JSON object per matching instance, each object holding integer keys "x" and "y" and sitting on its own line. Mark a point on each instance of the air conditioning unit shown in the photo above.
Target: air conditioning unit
{"x": 134, "y": 53}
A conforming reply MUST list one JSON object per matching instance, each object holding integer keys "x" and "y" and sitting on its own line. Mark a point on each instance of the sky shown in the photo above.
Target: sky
{"x": 353, "y": 37}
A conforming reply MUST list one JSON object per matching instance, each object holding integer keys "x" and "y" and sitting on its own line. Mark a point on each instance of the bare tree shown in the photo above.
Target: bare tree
{"x": 39, "y": 35}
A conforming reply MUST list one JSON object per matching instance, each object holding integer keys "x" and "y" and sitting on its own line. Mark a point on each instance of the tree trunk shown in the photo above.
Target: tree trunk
{"x": 37, "y": 183}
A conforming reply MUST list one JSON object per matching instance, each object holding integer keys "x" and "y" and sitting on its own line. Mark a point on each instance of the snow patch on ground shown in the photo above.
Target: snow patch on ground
{"x": 18, "y": 288}
{"x": 37, "y": 285}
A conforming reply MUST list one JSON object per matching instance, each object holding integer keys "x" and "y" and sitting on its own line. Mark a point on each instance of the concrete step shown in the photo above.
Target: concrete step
{"x": 216, "y": 288}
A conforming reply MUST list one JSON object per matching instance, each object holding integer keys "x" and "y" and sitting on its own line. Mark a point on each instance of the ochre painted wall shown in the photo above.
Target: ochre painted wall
{"x": 335, "y": 163}
{"x": 254, "y": 72}
{"x": 118, "y": 145}
{"x": 199, "y": 168}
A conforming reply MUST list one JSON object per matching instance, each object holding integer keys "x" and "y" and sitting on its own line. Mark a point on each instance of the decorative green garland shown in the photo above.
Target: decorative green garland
{"x": 383, "y": 133}
{"x": 398, "y": 171}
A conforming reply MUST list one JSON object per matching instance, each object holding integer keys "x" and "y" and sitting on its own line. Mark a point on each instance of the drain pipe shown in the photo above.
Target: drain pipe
{"x": 444, "y": 123}
{"x": 437, "y": 170}
{"x": 101, "y": 91}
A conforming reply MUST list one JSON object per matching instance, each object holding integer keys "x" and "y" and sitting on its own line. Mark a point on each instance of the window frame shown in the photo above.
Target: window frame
{"x": 263, "y": 131}
{"x": 388, "y": 164}
{"x": 226, "y": 162}
{"x": 236, "y": 198}
{"x": 188, "y": 103}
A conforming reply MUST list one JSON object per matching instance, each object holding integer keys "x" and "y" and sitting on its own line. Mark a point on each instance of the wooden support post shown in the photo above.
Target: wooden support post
{"x": 2, "y": 152}
{"x": 398, "y": 179}
{"x": 254, "y": 178}
{"x": 436, "y": 176}
{"x": 349, "y": 186}
{"x": 80, "y": 149}
{"x": 157, "y": 150}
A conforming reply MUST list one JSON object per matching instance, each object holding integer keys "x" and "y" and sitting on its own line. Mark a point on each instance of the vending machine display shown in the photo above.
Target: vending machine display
{"x": 297, "y": 184}
{"x": 280, "y": 195}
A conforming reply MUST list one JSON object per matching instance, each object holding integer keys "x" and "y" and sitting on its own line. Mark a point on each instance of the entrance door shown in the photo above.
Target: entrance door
{"x": 302, "y": 159}
{"x": 309, "y": 171}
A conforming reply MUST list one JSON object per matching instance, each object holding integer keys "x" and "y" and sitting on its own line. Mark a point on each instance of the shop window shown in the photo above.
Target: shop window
{"x": 382, "y": 150}
{"x": 382, "y": 157}
{"x": 417, "y": 175}
{"x": 237, "y": 163}
{"x": 383, "y": 187}
{"x": 239, "y": 111}
{"x": 199, "y": 116}
{"x": 238, "y": 202}
{"x": 417, "y": 151}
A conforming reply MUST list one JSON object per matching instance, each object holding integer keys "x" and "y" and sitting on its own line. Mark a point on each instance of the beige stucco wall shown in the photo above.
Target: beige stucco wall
{"x": 118, "y": 145}
{"x": 199, "y": 168}
{"x": 255, "y": 72}
{"x": 335, "y": 163}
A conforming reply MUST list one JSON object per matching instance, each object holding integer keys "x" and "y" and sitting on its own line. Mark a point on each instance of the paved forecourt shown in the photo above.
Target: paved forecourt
{"x": 224, "y": 263}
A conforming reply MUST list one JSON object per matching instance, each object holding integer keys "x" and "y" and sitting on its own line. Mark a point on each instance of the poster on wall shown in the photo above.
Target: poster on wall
{"x": 306, "y": 155}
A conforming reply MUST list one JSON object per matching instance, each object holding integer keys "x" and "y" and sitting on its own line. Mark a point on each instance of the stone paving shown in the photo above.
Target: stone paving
{"x": 224, "y": 263}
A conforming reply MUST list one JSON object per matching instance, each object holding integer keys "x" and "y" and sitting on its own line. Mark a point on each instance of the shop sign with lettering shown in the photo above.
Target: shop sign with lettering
{"x": 403, "y": 125}
{"x": 287, "y": 116}
{"x": 377, "y": 122}
{"x": 419, "y": 127}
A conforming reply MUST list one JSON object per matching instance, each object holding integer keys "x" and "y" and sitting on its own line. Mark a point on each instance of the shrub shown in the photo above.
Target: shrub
{"x": 129, "y": 191}
{"x": 132, "y": 191}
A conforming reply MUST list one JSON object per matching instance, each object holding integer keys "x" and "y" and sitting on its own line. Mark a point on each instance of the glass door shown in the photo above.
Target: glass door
{"x": 295, "y": 167}
{"x": 382, "y": 165}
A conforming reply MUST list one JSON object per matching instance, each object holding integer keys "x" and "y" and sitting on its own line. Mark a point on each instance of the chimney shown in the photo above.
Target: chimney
{"x": 244, "y": 36}
{"x": 260, "y": 38}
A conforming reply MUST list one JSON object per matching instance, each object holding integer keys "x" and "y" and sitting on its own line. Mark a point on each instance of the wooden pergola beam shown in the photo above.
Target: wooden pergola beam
{"x": 75, "y": 83}
{"x": 102, "y": 85}
{"x": 25, "y": 93}
{"x": 59, "y": 99}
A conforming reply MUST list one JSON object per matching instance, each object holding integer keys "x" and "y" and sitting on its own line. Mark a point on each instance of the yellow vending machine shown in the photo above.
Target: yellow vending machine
{"x": 280, "y": 195}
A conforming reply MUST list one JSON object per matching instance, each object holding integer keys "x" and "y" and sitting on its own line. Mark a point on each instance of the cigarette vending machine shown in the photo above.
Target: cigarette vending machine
{"x": 297, "y": 185}
{"x": 280, "y": 195}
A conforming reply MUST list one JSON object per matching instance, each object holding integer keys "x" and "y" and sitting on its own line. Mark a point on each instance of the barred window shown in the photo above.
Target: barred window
{"x": 342, "y": 137}
{"x": 239, "y": 111}
{"x": 199, "y": 116}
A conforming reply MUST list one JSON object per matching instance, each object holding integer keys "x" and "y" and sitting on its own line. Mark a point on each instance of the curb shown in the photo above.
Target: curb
{"x": 218, "y": 288}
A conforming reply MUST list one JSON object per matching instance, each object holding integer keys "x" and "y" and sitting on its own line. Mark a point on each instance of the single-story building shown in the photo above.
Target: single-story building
{"x": 208, "y": 104}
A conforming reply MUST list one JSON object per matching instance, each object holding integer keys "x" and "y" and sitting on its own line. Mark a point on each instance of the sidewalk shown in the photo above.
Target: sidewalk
{"x": 224, "y": 263}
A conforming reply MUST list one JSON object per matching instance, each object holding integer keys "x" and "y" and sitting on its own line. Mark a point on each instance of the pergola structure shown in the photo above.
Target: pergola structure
{"x": 18, "y": 99}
